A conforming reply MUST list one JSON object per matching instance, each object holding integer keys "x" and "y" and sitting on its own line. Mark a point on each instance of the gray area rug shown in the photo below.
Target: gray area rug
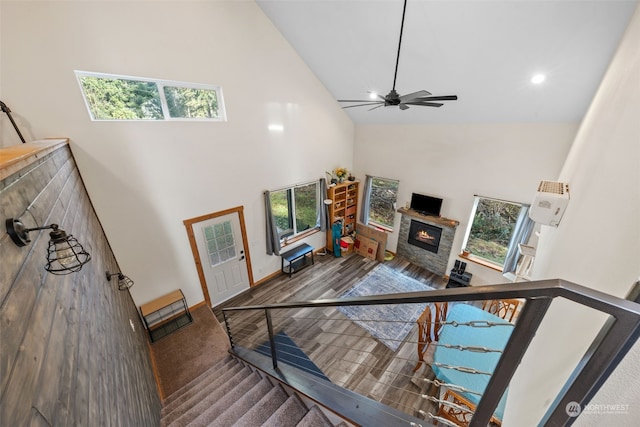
{"x": 390, "y": 324}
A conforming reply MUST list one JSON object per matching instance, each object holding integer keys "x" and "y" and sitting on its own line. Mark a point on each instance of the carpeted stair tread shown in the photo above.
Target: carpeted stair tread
{"x": 314, "y": 418}
{"x": 263, "y": 409}
{"x": 209, "y": 408}
{"x": 208, "y": 396}
{"x": 208, "y": 384}
{"x": 238, "y": 408}
{"x": 215, "y": 388}
{"x": 287, "y": 415}
{"x": 228, "y": 360}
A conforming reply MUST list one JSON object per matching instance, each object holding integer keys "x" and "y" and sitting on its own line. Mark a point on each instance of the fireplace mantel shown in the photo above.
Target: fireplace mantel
{"x": 435, "y": 262}
{"x": 443, "y": 222}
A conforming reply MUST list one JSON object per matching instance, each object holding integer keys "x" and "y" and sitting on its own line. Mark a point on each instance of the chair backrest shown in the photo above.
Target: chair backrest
{"x": 429, "y": 325}
{"x": 430, "y": 321}
{"x": 506, "y": 309}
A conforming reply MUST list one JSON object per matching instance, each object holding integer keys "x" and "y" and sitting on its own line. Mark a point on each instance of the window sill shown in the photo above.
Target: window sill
{"x": 380, "y": 226}
{"x": 480, "y": 261}
{"x": 291, "y": 240}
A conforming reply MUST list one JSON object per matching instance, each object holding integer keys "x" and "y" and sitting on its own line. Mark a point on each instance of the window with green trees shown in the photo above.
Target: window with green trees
{"x": 382, "y": 196}
{"x": 114, "y": 97}
{"x": 295, "y": 209}
{"x": 491, "y": 226}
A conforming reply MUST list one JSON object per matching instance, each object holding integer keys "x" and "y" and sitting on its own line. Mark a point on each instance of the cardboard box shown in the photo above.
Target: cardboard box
{"x": 377, "y": 235}
{"x": 366, "y": 247}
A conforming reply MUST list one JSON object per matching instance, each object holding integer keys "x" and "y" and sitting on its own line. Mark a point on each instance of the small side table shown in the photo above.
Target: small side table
{"x": 296, "y": 259}
{"x": 165, "y": 314}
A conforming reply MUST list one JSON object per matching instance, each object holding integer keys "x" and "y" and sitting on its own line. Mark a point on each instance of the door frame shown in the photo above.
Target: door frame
{"x": 188, "y": 223}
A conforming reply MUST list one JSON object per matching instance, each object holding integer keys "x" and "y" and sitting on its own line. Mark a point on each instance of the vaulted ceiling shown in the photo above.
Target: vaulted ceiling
{"x": 485, "y": 52}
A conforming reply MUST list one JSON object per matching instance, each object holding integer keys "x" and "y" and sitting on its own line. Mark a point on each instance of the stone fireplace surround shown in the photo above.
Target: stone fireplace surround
{"x": 435, "y": 262}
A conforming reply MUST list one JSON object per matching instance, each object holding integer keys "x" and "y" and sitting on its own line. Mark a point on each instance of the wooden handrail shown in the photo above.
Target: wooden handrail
{"x": 16, "y": 157}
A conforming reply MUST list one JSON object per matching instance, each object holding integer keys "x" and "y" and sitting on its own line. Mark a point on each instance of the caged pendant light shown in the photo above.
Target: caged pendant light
{"x": 64, "y": 254}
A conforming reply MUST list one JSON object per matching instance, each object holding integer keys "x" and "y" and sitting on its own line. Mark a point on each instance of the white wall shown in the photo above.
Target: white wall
{"x": 146, "y": 178}
{"x": 597, "y": 245}
{"x": 454, "y": 162}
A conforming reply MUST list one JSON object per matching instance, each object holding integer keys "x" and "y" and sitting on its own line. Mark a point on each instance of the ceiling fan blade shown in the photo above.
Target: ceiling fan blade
{"x": 418, "y": 94}
{"x": 438, "y": 98}
{"x": 380, "y": 103}
{"x": 357, "y": 100}
{"x": 377, "y": 106}
{"x": 403, "y": 106}
{"x": 424, "y": 104}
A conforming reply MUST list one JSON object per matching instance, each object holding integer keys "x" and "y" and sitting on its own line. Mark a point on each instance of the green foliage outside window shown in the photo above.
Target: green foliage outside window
{"x": 191, "y": 103}
{"x": 111, "y": 97}
{"x": 120, "y": 99}
{"x": 382, "y": 200}
{"x": 299, "y": 203}
{"x": 491, "y": 230}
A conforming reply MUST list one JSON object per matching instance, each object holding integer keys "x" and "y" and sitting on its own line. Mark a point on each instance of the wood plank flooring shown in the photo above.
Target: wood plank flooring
{"x": 344, "y": 351}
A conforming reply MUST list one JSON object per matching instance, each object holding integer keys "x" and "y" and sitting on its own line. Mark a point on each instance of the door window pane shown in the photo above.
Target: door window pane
{"x": 220, "y": 242}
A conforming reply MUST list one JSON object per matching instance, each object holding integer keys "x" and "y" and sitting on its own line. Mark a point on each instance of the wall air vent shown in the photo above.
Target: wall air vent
{"x": 553, "y": 187}
{"x": 550, "y": 202}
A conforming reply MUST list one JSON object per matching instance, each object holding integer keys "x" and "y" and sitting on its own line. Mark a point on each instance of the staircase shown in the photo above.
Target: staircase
{"x": 233, "y": 394}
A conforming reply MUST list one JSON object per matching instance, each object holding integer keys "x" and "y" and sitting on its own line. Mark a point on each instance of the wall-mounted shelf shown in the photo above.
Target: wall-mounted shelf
{"x": 166, "y": 314}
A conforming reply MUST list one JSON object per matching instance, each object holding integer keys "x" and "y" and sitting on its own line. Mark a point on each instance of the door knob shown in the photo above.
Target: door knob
{"x": 241, "y": 258}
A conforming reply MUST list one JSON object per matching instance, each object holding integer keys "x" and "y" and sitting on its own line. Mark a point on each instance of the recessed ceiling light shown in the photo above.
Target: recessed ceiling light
{"x": 373, "y": 95}
{"x": 276, "y": 128}
{"x": 538, "y": 78}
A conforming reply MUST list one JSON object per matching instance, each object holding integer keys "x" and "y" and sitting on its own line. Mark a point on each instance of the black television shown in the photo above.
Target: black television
{"x": 426, "y": 205}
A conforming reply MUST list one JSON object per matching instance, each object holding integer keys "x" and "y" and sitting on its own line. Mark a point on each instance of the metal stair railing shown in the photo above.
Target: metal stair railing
{"x": 614, "y": 340}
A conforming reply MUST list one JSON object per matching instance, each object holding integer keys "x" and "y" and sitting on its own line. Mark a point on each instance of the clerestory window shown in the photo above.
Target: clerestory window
{"x": 116, "y": 97}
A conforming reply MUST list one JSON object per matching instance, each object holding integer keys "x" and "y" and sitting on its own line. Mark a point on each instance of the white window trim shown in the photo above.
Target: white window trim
{"x": 222, "y": 113}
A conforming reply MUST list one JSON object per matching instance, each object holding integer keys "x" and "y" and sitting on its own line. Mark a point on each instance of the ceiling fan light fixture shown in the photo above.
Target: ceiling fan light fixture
{"x": 538, "y": 78}
{"x": 394, "y": 99}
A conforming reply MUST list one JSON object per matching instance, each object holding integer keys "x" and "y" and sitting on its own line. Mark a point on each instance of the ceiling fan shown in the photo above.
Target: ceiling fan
{"x": 393, "y": 98}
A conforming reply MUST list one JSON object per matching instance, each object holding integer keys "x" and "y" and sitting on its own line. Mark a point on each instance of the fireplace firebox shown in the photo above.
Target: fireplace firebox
{"x": 425, "y": 236}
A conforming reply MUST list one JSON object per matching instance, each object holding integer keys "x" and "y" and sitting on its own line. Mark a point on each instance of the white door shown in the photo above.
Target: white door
{"x": 222, "y": 257}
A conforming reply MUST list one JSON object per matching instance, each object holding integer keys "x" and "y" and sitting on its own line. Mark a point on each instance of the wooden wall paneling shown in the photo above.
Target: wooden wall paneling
{"x": 31, "y": 330}
{"x": 35, "y": 324}
{"x": 67, "y": 371}
{"x": 48, "y": 383}
{"x": 43, "y": 197}
{"x": 68, "y": 354}
{"x": 15, "y": 314}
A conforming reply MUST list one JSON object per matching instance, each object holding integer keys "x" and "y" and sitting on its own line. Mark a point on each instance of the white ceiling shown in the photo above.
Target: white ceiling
{"x": 483, "y": 51}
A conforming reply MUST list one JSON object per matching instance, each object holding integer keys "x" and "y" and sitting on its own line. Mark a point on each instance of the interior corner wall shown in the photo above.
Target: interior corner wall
{"x": 457, "y": 161}
{"x": 146, "y": 178}
{"x": 597, "y": 244}
{"x": 68, "y": 354}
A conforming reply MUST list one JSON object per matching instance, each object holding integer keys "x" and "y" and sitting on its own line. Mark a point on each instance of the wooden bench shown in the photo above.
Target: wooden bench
{"x": 165, "y": 314}
{"x": 296, "y": 259}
